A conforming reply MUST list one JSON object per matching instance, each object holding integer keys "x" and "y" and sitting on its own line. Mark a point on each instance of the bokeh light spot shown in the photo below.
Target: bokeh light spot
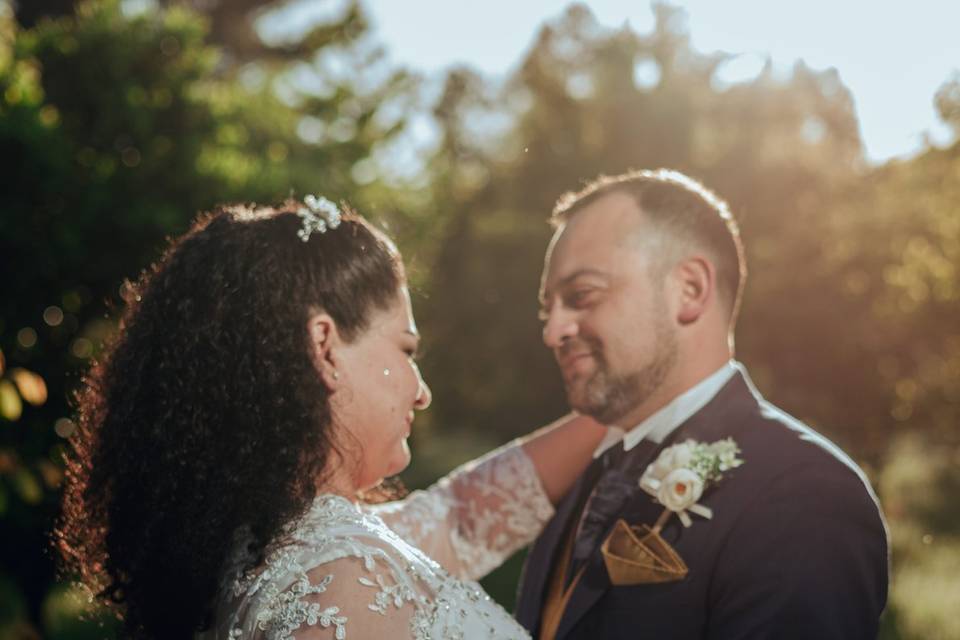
{"x": 32, "y": 387}
{"x": 813, "y": 129}
{"x": 27, "y": 485}
{"x": 364, "y": 171}
{"x": 311, "y": 129}
{"x": 902, "y": 412}
{"x": 72, "y": 301}
{"x": 906, "y": 388}
{"x": 343, "y": 129}
{"x": 49, "y": 116}
{"x": 130, "y": 157}
{"x": 81, "y": 348}
{"x": 64, "y": 427}
{"x": 8, "y": 462}
{"x": 51, "y": 474}
{"x": 27, "y": 338}
{"x": 53, "y": 316}
{"x": 646, "y": 74}
{"x": 11, "y": 407}
{"x": 580, "y": 86}
{"x": 13, "y": 95}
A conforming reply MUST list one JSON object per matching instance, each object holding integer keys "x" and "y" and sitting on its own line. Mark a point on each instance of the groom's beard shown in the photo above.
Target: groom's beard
{"x": 608, "y": 396}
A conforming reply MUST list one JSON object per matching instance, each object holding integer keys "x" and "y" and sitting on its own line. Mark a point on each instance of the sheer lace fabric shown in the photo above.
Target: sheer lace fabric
{"x": 404, "y": 569}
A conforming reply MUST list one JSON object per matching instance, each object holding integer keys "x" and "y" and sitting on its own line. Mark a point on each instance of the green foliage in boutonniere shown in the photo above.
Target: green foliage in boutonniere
{"x": 710, "y": 461}
{"x": 680, "y": 474}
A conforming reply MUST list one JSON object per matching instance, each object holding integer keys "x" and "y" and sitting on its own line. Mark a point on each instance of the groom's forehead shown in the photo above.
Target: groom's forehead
{"x": 600, "y": 240}
{"x": 611, "y": 221}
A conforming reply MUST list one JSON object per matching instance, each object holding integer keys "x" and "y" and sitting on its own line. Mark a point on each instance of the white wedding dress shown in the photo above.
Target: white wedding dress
{"x": 404, "y": 569}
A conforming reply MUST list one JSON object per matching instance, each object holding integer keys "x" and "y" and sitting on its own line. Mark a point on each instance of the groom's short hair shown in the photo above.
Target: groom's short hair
{"x": 681, "y": 207}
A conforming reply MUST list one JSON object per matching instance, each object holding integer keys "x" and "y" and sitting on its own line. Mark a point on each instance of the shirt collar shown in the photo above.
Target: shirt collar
{"x": 662, "y": 423}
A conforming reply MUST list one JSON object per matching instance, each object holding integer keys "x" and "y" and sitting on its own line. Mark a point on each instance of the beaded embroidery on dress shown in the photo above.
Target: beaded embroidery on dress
{"x": 404, "y": 569}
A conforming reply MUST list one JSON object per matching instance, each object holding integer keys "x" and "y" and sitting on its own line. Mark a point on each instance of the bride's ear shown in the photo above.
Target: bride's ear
{"x": 325, "y": 347}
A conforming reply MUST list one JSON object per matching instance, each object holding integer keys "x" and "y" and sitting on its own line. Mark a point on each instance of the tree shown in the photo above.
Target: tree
{"x": 584, "y": 102}
{"x": 122, "y": 127}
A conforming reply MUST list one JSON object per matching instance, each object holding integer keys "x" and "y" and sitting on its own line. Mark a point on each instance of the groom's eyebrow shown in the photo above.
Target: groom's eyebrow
{"x": 566, "y": 280}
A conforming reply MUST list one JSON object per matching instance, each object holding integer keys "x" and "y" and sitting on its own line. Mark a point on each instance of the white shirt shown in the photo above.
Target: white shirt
{"x": 665, "y": 421}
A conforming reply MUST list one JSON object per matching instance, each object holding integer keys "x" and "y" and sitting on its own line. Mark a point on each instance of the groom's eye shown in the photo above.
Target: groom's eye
{"x": 580, "y": 297}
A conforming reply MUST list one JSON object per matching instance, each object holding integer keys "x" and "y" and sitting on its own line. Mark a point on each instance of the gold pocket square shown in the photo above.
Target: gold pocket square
{"x": 638, "y": 555}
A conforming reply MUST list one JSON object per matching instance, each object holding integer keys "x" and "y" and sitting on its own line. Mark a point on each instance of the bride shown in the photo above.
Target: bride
{"x": 261, "y": 383}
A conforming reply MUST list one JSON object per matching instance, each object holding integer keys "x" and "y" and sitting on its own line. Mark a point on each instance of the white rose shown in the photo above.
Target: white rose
{"x": 680, "y": 489}
{"x": 679, "y": 455}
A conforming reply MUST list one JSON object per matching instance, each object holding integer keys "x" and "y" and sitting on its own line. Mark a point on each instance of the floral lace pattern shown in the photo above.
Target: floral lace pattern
{"x": 404, "y": 569}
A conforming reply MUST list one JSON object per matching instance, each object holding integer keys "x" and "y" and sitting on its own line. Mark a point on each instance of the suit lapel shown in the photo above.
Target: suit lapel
{"x": 708, "y": 424}
{"x": 536, "y": 571}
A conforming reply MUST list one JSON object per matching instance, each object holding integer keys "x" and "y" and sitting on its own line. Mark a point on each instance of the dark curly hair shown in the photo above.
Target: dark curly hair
{"x": 206, "y": 413}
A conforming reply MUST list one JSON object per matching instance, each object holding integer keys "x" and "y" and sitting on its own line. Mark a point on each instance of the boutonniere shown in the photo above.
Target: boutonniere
{"x": 637, "y": 554}
{"x": 681, "y": 473}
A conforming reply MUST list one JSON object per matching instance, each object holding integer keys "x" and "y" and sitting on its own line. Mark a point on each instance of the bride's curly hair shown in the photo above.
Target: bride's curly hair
{"x": 206, "y": 414}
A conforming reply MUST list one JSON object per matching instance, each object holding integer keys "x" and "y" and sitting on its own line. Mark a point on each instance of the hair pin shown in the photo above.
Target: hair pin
{"x": 318, "y": 215}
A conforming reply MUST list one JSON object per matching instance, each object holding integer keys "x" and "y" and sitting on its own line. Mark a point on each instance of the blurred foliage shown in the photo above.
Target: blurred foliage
{"x": 894, "y": 250}
{"x": 125, "y": 122}
{"x": 919, "y": 486}
{"x": 583, "y": 103}
{"x": 849, "y": 320}
{"x": 122, "y": 125}
{"x": 231, "y": 25}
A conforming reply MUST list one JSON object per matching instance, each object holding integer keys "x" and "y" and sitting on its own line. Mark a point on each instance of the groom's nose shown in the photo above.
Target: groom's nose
{"x": 559, "y": 326}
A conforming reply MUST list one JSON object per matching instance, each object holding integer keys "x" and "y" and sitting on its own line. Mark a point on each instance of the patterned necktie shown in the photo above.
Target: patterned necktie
{"x": 617, "y": 483}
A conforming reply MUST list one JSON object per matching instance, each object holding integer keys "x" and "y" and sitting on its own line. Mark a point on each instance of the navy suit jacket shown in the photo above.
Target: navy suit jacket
{"x": 797, "y": 546}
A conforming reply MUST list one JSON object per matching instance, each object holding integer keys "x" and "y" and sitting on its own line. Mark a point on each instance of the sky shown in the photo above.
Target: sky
{"x": 892, "y": 55}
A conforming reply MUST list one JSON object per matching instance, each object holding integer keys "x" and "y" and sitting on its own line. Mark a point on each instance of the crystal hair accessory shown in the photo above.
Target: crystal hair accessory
{"x": 318, "y": 215}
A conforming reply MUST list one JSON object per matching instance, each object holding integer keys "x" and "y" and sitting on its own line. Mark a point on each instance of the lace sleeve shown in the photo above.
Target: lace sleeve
{"x": 477, "y": 516}
{"x": 365, "y": 592}
{"x": 369, "y": 601}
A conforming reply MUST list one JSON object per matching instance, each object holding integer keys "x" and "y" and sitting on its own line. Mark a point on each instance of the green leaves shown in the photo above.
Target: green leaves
{"x": 122, "y": 127}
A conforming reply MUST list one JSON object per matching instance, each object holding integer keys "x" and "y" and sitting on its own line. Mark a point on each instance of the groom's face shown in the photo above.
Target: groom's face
{"x": 605, "y": 314}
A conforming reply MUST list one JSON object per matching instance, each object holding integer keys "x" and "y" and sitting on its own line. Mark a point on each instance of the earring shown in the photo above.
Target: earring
{"x": 336, "y": 375}
{"x": 386, "y": 372}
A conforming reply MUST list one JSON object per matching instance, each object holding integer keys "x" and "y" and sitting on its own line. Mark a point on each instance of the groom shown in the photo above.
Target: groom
{"x": 640, "y": 291}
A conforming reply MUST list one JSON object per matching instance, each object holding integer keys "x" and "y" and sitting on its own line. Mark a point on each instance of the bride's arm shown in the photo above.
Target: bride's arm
{"x": 478, "y": 515}
{"x": 562, "y": 450}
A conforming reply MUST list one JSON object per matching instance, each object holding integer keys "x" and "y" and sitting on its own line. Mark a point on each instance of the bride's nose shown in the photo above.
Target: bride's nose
{"x": 422, "y": 401}
{"x": 424, "y": 396}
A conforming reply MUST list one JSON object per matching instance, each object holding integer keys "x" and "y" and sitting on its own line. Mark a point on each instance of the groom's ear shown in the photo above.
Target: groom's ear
{"x": 325, "y": 343}
{"x": 696, "y": 278}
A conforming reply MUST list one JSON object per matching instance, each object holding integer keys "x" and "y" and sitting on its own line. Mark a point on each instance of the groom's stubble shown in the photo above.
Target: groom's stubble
{"x": 609, "y": 395}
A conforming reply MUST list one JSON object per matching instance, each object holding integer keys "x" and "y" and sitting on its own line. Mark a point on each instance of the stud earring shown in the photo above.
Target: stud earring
{"x": 386, "y": 372}
{"x": 336, "y": 375}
